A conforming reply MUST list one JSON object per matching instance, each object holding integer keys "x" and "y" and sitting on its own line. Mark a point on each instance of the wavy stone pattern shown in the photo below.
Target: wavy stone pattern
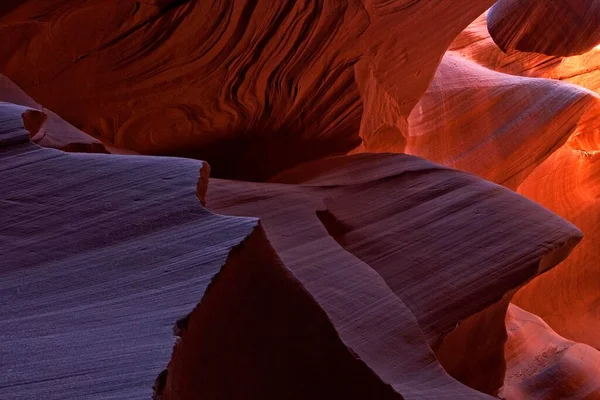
{"x": 558, "y": 27}
{"x": 456, "y": 121}
{"x": 109, "y": 280}
{"x": 475, "y": 44}
{"x": 88, "y": 302}
{"x": 567, "y": 297}
{"x": 206, "y": 79}
{"x": 373, "y": 275}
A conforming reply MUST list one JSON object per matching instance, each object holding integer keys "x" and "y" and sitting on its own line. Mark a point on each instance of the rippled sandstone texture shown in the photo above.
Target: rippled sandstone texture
{"x": 252, "y": 87}
{"x": 368, "y": 275}
{"x": 496, "y": 125}
{"x": 562, "y": 180}
{"x": 475, "y": 44}
{"x": 556, "y": 28}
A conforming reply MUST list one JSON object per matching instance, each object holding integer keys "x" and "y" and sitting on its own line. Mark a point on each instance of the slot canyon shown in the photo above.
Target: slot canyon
{"x": 300, "y": 199}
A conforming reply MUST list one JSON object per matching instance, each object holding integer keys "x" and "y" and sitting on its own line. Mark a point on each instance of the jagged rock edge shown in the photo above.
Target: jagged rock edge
{"x": 180, "y": 325}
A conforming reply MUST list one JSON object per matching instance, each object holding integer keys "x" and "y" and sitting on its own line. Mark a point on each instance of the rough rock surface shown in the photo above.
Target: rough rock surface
{"x": 557, "y": 27}
{"x": 101, "y": 255}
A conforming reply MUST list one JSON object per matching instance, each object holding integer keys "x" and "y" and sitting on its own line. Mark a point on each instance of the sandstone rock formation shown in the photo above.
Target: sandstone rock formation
{"x": 584, "y": 70}
{"x": 338, "y": 251}
{"x": 55, "y": 132}
{"x": 567, "y": 176}
{"x": 476, "y": 44}
{"x": 456, "y": 121}
{"x": 388, "y": 211}
{"x": 126, "y": 272}
{"x": 96, "y": 269}
{"x": 566, "y": 298}
{"x": 543, "y": 365}
{"x": 253, "y": 87}
{"x": 568, "y": 184}
{"x": 558, "y": 28}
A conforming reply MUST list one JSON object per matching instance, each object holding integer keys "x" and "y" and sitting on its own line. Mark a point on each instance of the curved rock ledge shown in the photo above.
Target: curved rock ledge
{"x": 556, "y": 28}
{"x": 130, "y": 246}
{"x": 496, "y": 125}
{"x": 397, "y": 214}
{"x": 543, "y": 365}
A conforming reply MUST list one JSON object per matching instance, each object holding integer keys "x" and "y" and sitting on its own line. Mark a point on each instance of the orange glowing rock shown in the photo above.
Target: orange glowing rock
{"x": 299, "y": 308}
{"x": 567, "y": 298}
{"x": 370, "y": 274}
{"x": 543, "y": 365}
{"x": 476, "y": 44}
{"x": 431, "y": 235}
{"x": 565, "y": 182}
{"x": 495, "y": 125}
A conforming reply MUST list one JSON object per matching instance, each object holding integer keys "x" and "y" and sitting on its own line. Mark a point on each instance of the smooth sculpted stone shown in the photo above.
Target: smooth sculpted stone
{"x": 446, "y": 244}
{"x": 567, "y": 298}
{"x": 476, "y": 44}
{"x": 363, "y": 269}
{"x": 497, "y": 126}
{"x": 88, "y": 304}
{"x": 543, "y": 365}
{"x": 251, "y": 86}
{"x": 557, "y": 28}
{"x": 370, "y": 275}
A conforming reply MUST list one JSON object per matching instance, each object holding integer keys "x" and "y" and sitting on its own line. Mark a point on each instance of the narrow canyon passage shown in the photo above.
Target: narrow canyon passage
{"x": 313, "y": 199}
